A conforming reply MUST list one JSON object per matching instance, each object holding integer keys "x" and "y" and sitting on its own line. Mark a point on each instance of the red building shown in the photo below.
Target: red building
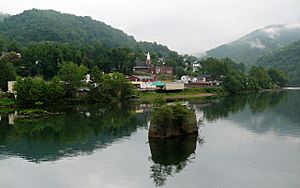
{"x": 147, "y": 67}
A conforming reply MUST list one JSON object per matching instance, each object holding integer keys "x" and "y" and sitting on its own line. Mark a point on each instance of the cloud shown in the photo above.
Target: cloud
{"x": 257, "y": 44}
{"x": 271, "y": 32}
{"x": 295, "y": 25}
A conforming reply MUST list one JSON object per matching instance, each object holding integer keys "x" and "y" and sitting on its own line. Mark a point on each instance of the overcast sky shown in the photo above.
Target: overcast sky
{"x": 187, "y": 26}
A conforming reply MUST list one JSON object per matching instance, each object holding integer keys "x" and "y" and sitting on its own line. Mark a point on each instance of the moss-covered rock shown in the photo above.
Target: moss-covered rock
{"x": 172, "y": 121}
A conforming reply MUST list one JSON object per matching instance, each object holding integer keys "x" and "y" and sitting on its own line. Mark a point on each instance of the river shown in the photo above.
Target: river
{"x": 250, "y": 140}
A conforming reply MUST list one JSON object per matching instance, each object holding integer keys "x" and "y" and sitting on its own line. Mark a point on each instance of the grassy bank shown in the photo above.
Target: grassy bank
{"x": 189, "y": 93}
{"x": 7, "y": 102}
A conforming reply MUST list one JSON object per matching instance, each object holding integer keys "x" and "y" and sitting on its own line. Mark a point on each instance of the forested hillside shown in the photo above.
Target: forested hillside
{"x": 251, "y": 47}
{"x": 49, "y": 25}
{"x": 287, "y": 59}
{"x": 2, "y": 16}
{"x": 46, "y": 38}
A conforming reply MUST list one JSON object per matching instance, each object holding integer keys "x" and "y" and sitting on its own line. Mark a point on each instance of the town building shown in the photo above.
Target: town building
{"x": 148, "y": 68}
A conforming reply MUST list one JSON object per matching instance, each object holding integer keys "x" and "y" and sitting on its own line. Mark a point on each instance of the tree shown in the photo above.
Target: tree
{"x": 179, "y": 71}
{"x": 113, "y": 87}
{"x": 262, "y": 76}
{"x": 122, "y": 60}
{"x": 234, "y": 82}
{"x": 12, "y": 57}
{"x": 55, "y": 90}
{"x": 31, "y": 91}
{"x": 278, "y": 76}
{"x": 72, "y": 73}
{"x": 7, "y": 73}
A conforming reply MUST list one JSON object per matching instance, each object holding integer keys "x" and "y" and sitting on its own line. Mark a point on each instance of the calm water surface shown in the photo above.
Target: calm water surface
{"x": 249, "y": 141}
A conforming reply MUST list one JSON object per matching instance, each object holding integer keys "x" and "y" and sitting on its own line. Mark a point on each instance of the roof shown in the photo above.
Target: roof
{"x": 204, "y": 76}
{"x": 158, "y": 83}
{"x": 141, "y": 64}
{"x": 141, "y": 67}
{"x": 143, "y": 77}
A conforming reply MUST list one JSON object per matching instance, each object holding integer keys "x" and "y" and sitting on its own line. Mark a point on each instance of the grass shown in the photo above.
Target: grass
{"x": 7, "y": 102}
{"x": 28, "y": 112}
{"x": 188, "y": 93}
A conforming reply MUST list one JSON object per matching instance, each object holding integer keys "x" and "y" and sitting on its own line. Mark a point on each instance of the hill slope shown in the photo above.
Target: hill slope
{"x": 257, "y": 43}
{"x": 286, "y": 58}
{"x": 49, "y": 25}
{"x": 3, "y": 15}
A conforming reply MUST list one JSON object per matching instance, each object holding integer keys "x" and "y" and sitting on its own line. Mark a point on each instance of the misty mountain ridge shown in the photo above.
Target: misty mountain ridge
{"x": 3, "y": 15}
{"x": 249, "y": 48}
{"x": 287, "y": 59}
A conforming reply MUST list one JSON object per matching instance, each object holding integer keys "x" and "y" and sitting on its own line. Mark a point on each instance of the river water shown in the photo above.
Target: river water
{"x": 249, "y": 140}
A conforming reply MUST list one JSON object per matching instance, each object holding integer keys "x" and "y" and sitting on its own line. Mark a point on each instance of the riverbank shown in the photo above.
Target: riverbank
{"x": 190, "y": 93}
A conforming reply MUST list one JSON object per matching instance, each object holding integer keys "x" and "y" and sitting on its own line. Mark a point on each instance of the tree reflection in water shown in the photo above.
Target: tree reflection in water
{"x": 170, "y": 156}
{"x": 76, "y": 131}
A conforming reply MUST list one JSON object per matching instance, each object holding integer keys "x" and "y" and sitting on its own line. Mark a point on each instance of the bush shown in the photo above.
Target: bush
{"x": 34, "y": 91}
{"x": 113, "y": 87}
{"x": 170, "y": 121}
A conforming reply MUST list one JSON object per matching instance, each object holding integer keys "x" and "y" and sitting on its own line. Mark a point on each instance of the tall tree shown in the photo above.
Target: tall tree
{"x": 7, "y": 73}
{"x": 72, "y": 74}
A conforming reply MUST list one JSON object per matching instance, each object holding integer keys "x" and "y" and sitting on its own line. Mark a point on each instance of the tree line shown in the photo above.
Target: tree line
{"x": 236, "y": 78}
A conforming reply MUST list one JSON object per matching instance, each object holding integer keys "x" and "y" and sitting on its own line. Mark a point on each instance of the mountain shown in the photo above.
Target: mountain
{"x": 3, "y": 15}
{"x": 287, "y": 59}
{"x": 249, "y": 48}
{"x": 49, "y": 25}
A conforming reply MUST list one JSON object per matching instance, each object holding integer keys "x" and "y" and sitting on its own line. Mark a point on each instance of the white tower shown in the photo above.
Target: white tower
{"x": 148, "y": 60}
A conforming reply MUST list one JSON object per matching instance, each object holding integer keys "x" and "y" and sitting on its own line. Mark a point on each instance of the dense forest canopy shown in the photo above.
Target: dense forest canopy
{"x": 45, "y": 38}
{"x": 287, "y": 59}
{"x": 49, "y": 25}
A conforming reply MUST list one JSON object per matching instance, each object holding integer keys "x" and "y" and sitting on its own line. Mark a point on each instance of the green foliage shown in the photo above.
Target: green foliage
{"x": 248, "y": 49}
{"x": 122, "y": 60}
{"x": 164, "y": 117}
{"x": 7, "y": 73}
{"x": 286, "y": 59}
{"x": 7, "y": 102}
{"x": 32, "y": 112}
{"x": 278, "y": 76}
{"x": 30, "y": 91}
{"x": 49, "y": 25}
{"x": 72, "y": 73}
{"x": 234, "y": 82}
{"x": 55, "y": 90}
{"x": 113, "y": 87}
{"x": 220, "y": 68}
{"x": 36, "y": 91}
{"x": 12, "y": 57}
{"x": 96, "y": 74}
{"x": 262, "y": 76}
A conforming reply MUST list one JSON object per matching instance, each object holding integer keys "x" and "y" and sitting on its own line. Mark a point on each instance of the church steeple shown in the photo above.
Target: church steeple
{"x": 148, "y": 56}
{"x": 148, "y": 60}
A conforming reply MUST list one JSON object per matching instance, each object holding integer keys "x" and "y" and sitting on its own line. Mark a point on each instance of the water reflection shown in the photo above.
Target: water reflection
{"x": 79, "y": 130}
{"x": 265, "y": 112}
{"x": 171, "y": 156}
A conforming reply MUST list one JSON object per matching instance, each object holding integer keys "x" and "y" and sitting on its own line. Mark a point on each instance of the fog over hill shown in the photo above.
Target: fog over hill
{"x": 249, "y": 48}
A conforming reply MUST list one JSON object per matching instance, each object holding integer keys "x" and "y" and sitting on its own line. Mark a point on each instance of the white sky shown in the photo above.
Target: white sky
{"x": 187, "y": 26}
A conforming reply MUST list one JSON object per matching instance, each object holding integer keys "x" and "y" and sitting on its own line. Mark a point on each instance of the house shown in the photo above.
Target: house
{"x": 205, "y": 77}
{"x": 185, "y": 79}
{"x": 142, "y": 78}
{"x": 147, "y": 67}
{"x": 10, "y": 86}
{"x": 196, "y": 66}
{"x": 174, "y": 86}
{"x": 165, "y": 70}
{"x": 144, "y": 66}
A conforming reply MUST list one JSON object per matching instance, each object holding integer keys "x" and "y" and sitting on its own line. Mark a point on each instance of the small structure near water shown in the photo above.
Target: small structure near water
{"x": 172, "y": 121}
